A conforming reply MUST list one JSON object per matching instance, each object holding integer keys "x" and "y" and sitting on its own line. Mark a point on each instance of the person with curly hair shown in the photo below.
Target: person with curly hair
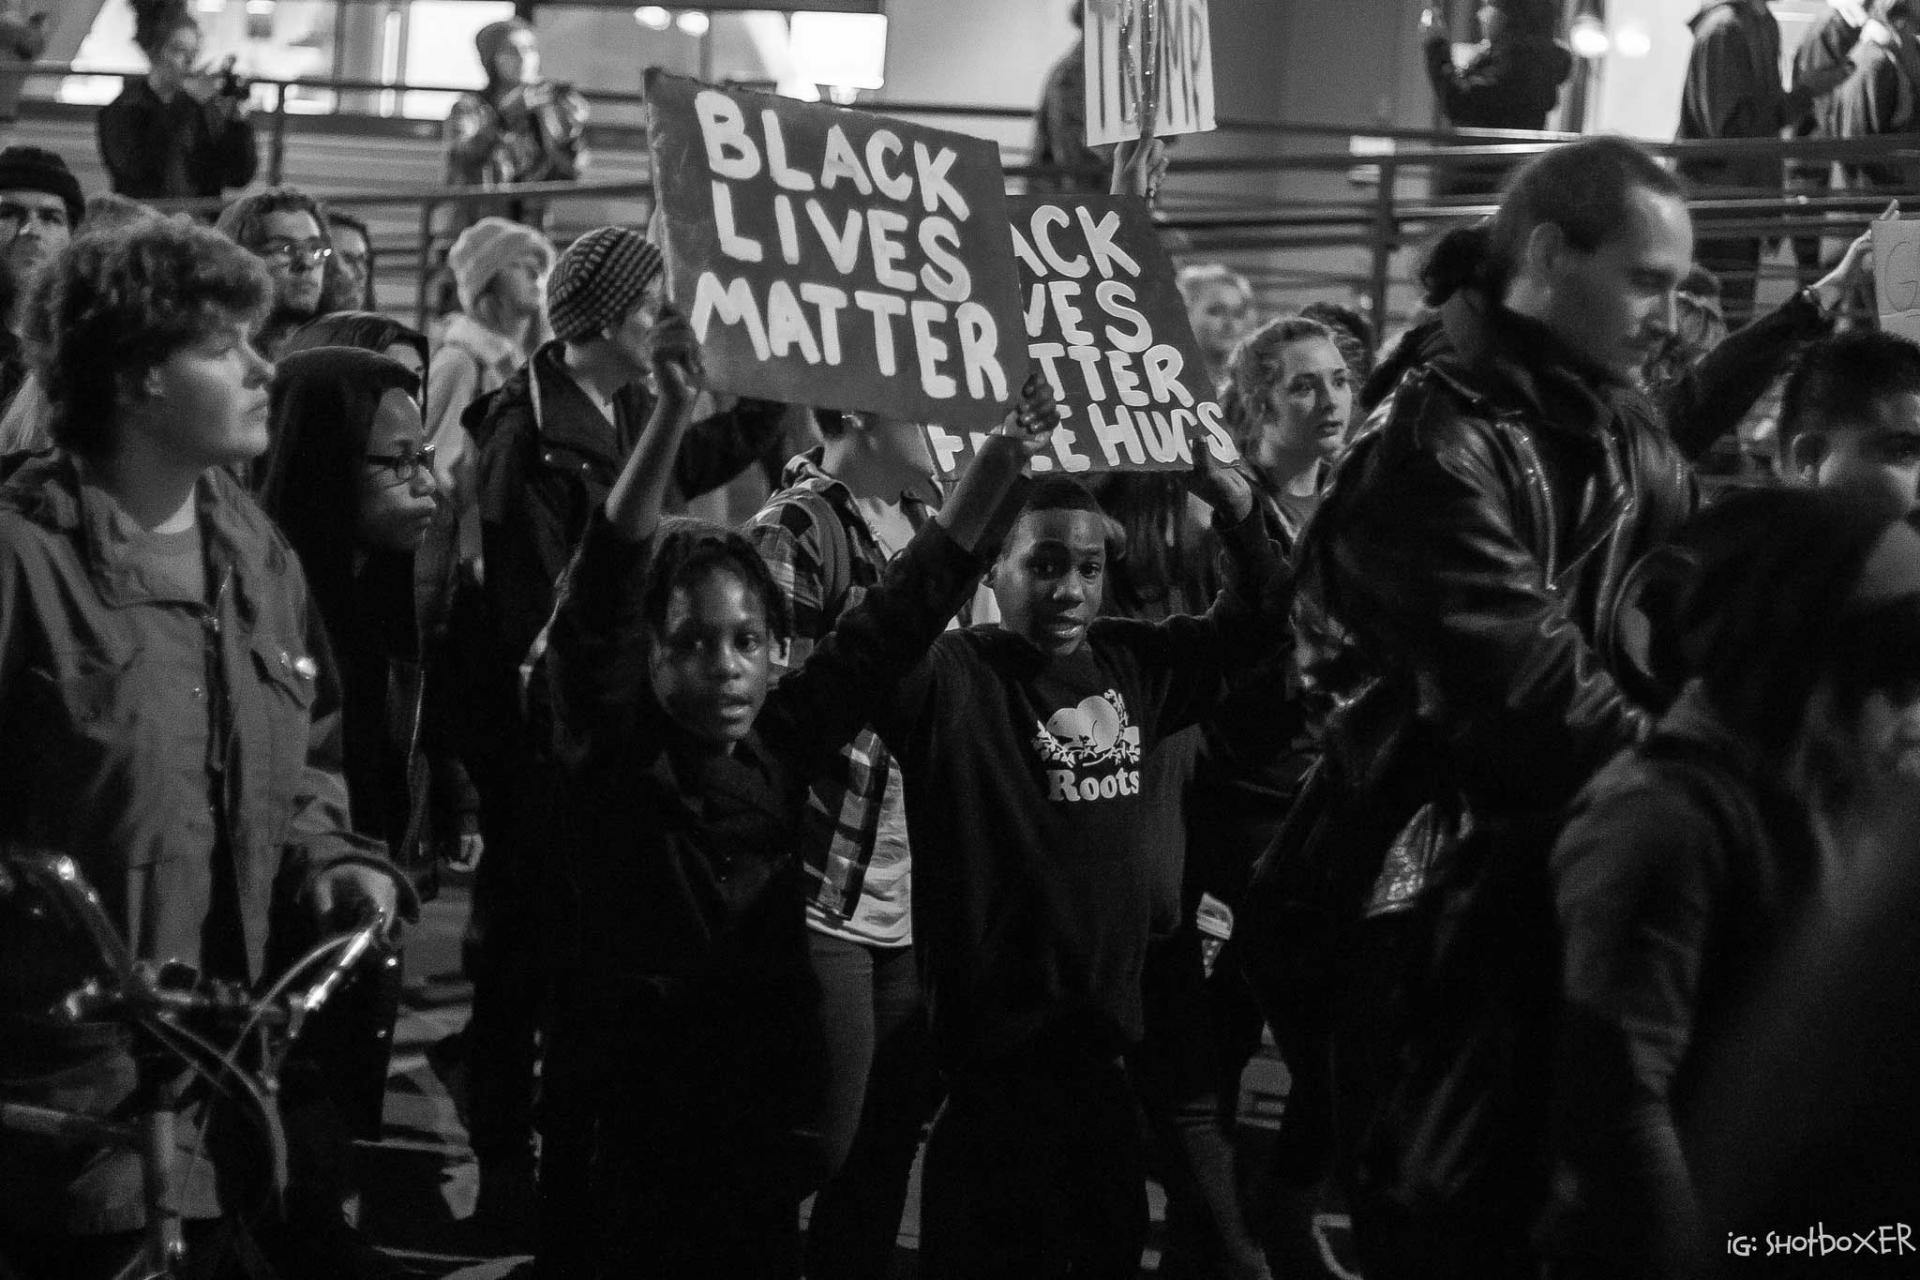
{"x": 169, "y": 718}
{"x": 1288, "y": 401}
{"x": 180, "y": 130}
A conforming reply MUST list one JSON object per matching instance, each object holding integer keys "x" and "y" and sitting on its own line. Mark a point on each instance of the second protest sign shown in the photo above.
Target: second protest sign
{"x": 1105, "y": 323}
{"x": 835, "y": 258}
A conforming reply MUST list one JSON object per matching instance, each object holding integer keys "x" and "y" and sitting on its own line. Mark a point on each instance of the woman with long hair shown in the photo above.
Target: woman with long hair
{"x": 1288, "y": 402}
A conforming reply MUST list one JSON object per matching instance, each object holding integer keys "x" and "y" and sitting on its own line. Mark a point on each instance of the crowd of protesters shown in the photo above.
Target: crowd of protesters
{"x": 1473, "y": 737}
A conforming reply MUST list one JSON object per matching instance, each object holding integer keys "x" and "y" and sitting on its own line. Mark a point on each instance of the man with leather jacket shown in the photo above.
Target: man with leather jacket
{"x": 1459, "y": 590}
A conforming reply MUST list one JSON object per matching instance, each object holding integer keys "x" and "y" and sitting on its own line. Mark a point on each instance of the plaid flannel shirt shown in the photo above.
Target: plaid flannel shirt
{"x": 843, "y": 805}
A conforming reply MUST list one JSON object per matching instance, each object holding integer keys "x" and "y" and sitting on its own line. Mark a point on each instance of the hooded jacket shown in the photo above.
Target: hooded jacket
{"x": 1733, "y": 90}
{"x": 406, "y": 788}
{"x": 99, "y": 665}
{"x": 1510, "y": 84}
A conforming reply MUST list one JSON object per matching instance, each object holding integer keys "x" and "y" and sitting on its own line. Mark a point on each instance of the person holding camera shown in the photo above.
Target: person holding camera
{"x": 182, "y": 130}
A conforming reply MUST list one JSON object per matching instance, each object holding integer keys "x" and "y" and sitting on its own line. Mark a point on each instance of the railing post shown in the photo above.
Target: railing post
{"x": 1385, "y": 232}
{"x": 277, "y": 148}
{"x": 426, "y": 266}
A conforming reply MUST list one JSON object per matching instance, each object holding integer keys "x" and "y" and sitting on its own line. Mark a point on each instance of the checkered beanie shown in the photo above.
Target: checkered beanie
{"x": 598, "y": 281}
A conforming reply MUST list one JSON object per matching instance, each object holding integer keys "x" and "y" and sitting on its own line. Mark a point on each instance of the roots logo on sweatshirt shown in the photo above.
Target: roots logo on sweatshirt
{"x": 1091, "y": 750}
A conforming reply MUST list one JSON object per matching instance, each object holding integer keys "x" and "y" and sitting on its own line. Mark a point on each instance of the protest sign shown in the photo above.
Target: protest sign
{"x": 1105, "y": 323}
{"x": 1896, "y": 275}
{"x": 837, "y": 258}
{"x": 1149, "y": 67}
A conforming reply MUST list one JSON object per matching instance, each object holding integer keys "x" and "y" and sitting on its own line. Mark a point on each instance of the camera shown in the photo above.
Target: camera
{"x": 233, "y": 84}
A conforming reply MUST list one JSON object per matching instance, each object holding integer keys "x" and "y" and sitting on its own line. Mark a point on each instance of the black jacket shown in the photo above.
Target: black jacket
{"x": 1680, "y": 874}
{"x": 1510, "y": 84}
{"x": 546, "y": 461}
{"x": 155, "y": 150}
{"x": 1733, "y": 90}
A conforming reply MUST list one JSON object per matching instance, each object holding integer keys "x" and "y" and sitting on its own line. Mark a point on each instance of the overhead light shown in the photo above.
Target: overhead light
{"x": 694, "y": 24}
{"x": 210, "y": 6}
{"x": 846, "y": 50}
{"x": 1632, "y": 41}
{"x": 653, "y": 17}
{"x": 260, "y": 8}
{"x": 1588, "y": 36}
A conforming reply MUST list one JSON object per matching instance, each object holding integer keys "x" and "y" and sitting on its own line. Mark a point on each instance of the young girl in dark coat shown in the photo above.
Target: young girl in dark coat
{"x": 676, "y": 1052}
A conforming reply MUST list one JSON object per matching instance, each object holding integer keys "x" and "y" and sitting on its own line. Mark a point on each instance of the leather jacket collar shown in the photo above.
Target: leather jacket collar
{"x": 1516, "y": 363}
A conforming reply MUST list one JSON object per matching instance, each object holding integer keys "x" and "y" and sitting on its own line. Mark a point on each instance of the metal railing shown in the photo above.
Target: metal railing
{"x": 1377, "y": 205}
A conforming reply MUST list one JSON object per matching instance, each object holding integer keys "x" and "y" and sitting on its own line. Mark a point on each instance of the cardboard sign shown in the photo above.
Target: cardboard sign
{"x": 837, "y": 258}
{"x": 1149, "y": 69}
{"x": 1105, "y": 323}
{"x": 1896, "y": 276}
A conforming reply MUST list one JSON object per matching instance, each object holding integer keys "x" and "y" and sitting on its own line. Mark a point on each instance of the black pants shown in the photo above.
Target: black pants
{"x": 1034, "y": 1169}
{"x": 1187, "y": 1072}
{"x": 880, "y": 1089}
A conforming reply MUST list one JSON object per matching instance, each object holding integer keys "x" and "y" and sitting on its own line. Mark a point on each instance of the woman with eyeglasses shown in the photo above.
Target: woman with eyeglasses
{"x": 350, "y": 481}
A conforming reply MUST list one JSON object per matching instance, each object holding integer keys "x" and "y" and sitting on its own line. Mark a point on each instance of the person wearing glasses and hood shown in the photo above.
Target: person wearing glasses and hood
{"x": 287, "y": 230}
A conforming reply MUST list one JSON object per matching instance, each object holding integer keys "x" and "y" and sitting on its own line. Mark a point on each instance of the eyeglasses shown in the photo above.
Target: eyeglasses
{"x": 15, "y": 218}
{"x": 309, "y": 253}
{"x": 406, "y": 464}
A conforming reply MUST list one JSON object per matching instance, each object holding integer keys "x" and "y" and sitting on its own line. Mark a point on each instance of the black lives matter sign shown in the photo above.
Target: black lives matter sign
{"x": 836, "y": 258}
{"x": 1105, "y": 323}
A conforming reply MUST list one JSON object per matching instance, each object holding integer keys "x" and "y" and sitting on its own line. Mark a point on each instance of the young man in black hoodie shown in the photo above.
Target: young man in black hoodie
{"x": 1021, "y": 745}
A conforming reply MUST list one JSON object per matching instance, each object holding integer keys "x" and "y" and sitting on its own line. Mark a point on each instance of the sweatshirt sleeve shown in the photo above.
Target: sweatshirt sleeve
{"x": 1189, "y": 658}
{"x": 596, "y": 671}
{"x": 720, "y": 447}
{"x": 1633, "y": 879}
{"x": 859, "y": 674}
{"x": 227, "y": 153}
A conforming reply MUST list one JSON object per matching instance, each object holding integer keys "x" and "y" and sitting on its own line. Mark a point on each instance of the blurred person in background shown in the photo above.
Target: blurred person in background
{"x": 520, "y": 128}
{"x": 1734, "y": 90}
{"x": 1060, "y": 123}
{"x": 347, "y": 282}
{"x": 286, "y": 229}
{"x": 1691, "y": 860}
{"x": 500, "y": 269}
{"x": 180, "y": 130}
{"x": 1512, "y": 81}
{"x": 23, "y": 37}
{"x": 40, "y": 208}
{"x": 1220, "y": 307}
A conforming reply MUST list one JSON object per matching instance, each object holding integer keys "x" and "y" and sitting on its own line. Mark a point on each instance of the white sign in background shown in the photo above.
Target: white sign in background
{"x": 1182, "y": 68}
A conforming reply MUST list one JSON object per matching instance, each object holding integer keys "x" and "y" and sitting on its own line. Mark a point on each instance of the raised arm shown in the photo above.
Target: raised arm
{"x": 1192, "y": 657}
{"x": 852, "y": 677}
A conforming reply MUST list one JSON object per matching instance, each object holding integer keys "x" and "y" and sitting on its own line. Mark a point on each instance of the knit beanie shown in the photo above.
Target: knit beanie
{"x": 493, "y": 37}
{"x": 37, "y": 169}
{"x": 489, "y": 247}
{"x": 598, "y": 281}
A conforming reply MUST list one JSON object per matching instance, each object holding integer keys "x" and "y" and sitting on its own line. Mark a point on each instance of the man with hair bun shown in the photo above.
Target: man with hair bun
{"x": 1459, "y": 591}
